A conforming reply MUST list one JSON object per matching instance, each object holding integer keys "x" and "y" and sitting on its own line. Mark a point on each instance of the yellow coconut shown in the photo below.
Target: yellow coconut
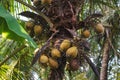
{"x": 37, "y": 29}
{"x": 46, "y": 1}
{"x": 55, "y": 53}
{"x": 99, "y": 28}
{"x": 53, "y": 63}
{"x": 43, "y": 59}
{"x": 72, "y": 52}
{"x": 65, "y": 44}
{"x": 86, "y": 33}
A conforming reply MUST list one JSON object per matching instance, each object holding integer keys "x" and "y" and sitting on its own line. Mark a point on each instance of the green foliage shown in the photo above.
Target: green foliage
{"x": 10, "y": 28}
{"x": 90, "y": 75}
{"x": 118, "y": 76}
{"x": 7, "y": 71}
{"x": 18, "y": 65}
{"x": 81, "y": 76}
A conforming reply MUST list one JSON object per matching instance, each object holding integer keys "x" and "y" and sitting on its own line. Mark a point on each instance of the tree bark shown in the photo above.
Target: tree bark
{"x": 105, "y": 60}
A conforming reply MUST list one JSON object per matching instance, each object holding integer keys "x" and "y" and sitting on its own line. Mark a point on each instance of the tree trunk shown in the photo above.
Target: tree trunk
{"x": 105, "y": 60}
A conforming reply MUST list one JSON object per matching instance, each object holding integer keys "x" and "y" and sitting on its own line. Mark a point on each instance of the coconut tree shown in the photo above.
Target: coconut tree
{"x": 74, "y": 39}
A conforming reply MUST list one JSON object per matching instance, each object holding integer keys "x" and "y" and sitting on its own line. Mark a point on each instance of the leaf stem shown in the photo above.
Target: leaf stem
{"x": 94, "y": 68}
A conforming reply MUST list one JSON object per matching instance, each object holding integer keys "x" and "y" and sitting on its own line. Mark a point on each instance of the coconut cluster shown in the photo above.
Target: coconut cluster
{"x": 54, "y": 54}
{"x": 51, "y": 58}
{"x": 99, "y": 29}
{"x": 35, "y": 29}
{"x": 66, "y": 48}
